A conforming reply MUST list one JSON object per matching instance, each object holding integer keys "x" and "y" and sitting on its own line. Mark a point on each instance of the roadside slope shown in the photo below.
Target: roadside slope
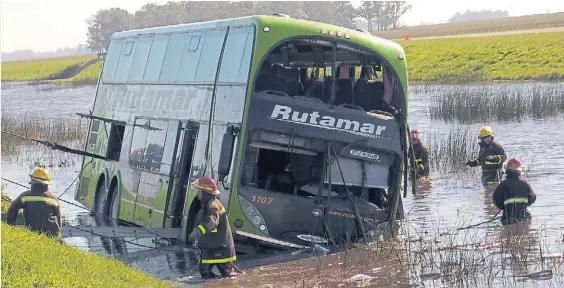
{"x": 511, "y": 57}
{"x": 47, "y": 69}
{"x": 33, "y": 260}
{"x": 518, "y": 23}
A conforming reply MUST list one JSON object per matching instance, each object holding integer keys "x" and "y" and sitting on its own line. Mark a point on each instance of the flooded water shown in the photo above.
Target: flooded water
{"x": 452, "y": 200}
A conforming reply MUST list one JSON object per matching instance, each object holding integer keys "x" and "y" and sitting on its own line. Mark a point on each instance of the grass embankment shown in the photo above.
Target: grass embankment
{"x": 529, "y": 22}
{"x": 74, "y": 70}
{"x": 512, "y": 57}
{"x": 33, "y": 260}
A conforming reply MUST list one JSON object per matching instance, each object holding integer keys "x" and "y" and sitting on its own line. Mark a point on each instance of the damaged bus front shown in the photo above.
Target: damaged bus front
{"x": 324, "y": 138}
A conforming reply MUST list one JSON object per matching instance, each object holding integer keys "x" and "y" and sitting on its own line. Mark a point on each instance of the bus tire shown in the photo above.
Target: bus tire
{"x": 114, "y": 205}
{"x": 101, "y": 198}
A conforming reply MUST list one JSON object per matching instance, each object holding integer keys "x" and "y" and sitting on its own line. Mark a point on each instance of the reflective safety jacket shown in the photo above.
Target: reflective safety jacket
{"x": 216, "y": 241}
{"x": 421, "y": 161}
{"x": 513, "y": 195}
{"x": 41, "y": 209}
{"x": 491, "y": 168}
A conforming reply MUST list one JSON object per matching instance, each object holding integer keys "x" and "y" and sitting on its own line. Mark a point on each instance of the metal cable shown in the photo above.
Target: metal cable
{"x": 96, "y": 234}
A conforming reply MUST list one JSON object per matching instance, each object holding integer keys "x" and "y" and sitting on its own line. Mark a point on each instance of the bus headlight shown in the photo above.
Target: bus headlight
{"x": 253, "y": 214}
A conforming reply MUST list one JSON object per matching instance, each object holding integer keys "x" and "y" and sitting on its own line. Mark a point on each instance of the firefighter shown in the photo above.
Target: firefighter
{"x": 42, "y": 212}
{"x": 421, "y": 152}
{"x": 513, "y": 195}
{"x": 490, "y": 157}
{"x": 213, "y": 232}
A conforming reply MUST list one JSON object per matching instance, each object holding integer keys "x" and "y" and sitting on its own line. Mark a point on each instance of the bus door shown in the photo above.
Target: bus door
{"x": 154, "y": 145}
{"x": 181, "y": 174}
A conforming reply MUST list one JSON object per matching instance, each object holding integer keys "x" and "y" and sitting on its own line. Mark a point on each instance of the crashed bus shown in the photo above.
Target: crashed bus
{"x": 302, "y": 124}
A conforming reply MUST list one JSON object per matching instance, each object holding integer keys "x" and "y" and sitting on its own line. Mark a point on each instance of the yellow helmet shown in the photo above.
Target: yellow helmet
{"x": 40, "y": 175}
{"x": 486, "y": 131}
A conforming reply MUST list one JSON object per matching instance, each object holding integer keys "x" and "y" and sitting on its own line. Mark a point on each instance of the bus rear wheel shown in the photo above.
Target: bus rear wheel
{"x": 107, "y": 205}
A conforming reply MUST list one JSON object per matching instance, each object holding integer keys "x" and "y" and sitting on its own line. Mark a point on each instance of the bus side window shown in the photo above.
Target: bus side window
{"x": 115, "y": 141}
{"x": 93, "y": 137}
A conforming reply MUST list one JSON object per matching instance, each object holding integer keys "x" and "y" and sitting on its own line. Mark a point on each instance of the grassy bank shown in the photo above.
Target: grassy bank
{"x": 512, "y": 57}
{"x": 33, "y": 260}
{"x": 40, "y": 69}
{"x": 529, "y": 22}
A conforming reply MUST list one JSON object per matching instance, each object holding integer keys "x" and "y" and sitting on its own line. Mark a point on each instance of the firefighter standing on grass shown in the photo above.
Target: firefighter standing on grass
{"x": 421, "y": 152}
{"x": 513, "y": 195}
{"x": 42, "y": 212}
{"x": 490, "y": 157}
{"x": 213, "y": 232}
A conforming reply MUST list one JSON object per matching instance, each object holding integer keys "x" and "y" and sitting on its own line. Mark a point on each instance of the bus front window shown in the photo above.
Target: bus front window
{"x": 304, "y": 68}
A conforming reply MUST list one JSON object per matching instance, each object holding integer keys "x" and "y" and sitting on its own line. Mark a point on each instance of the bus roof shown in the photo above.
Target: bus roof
{"x": 271, "y": 21}
{"x": 390, "y": 50}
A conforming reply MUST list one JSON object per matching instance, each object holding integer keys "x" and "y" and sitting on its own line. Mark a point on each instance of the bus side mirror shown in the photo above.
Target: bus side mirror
{"x": 226, "y": 154}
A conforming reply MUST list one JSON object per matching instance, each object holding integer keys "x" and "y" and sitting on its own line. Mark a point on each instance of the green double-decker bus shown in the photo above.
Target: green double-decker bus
{"x": 302, "y": 124}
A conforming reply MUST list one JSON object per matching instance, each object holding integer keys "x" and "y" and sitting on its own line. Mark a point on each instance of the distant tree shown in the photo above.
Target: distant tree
{"x": 103, "y": 24}
{"x": 392, "y": 12}
{"x": 339, "y": 13}
{"x": 478, "y": 15}
{"x": 152, "y": 15}
{"x": 369, "y": 11}
{"x": 382, "y": 15}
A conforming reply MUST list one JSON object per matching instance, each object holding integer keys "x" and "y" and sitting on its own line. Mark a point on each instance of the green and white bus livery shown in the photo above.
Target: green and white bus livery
{"x": 303, "y": 125}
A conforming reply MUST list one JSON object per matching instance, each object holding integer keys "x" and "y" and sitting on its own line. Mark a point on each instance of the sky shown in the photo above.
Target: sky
{"x": 48, "y": 25}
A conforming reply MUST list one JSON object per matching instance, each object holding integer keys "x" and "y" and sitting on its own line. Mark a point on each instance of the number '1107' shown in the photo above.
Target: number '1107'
{"x": 261, "y": 199}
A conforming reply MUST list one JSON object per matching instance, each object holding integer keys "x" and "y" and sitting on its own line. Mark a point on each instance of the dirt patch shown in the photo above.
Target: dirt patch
{"x": 73, "y": 70}
{"x": 359, "y": 268}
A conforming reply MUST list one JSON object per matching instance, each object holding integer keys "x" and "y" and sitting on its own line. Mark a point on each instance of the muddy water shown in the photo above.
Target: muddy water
{"x": 452, "y": 200}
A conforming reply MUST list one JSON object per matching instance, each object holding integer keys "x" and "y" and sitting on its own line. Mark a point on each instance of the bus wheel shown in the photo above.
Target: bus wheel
{"x": 113, "y": 211}
{"x": 101, "y": 200}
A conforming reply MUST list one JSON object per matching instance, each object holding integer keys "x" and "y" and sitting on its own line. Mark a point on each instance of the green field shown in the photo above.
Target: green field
{"x": 537, "y": 56}
{"x": 511, "y": 57}
{"x": 528, "y": 22}
{"x": 39, "y": 69}
{"x": 33, "y": 260}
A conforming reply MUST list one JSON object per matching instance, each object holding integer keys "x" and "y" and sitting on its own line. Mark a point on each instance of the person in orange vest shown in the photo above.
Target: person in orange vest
{"x": 41, "y": 208}
{"x": 513, "y": 195}
{"x": 213, "y": 232}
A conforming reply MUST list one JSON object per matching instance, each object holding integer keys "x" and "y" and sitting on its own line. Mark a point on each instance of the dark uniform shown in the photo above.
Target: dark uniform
{"x": 42, "y": 212}
{"x": 421, "y": 152}
{"x": 513, "y": 195}
{"x": 490, "y": 158}
{"x": 216, "y": 242}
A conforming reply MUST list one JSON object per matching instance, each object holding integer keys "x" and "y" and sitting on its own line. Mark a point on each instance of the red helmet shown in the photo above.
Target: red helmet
{"x": 206, "y": 184}
{"x": 514, "y": 164}
{"x": 416, "y": 134}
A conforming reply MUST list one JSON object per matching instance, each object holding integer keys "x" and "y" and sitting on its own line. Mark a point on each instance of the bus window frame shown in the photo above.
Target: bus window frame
{"x": 178, "y": 132}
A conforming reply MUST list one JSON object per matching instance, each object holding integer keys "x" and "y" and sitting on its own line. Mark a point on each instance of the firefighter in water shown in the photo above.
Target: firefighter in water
{"x": 213, "y": 232}
{"x": 490, "y": 157}
{"x": 42, "y": 212}
{"x": 513, "y": 195}
{"x": 421, "y": 152}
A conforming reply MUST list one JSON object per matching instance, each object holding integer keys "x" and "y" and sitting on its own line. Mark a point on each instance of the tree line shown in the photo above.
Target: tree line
{"x": 379, "y": 15}
{"x": 478, "y": 15}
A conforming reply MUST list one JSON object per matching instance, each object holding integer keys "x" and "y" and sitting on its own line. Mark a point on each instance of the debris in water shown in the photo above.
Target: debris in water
{"x": 376, "y": 269}
{"x": 360, "y": 280}
{"x": 430, "y": 276}
{"x": 542, "y": 275}
{"x": 184, "y": 279}
{"x": 552, "y": 256}
{"x": 321, "y": 249}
